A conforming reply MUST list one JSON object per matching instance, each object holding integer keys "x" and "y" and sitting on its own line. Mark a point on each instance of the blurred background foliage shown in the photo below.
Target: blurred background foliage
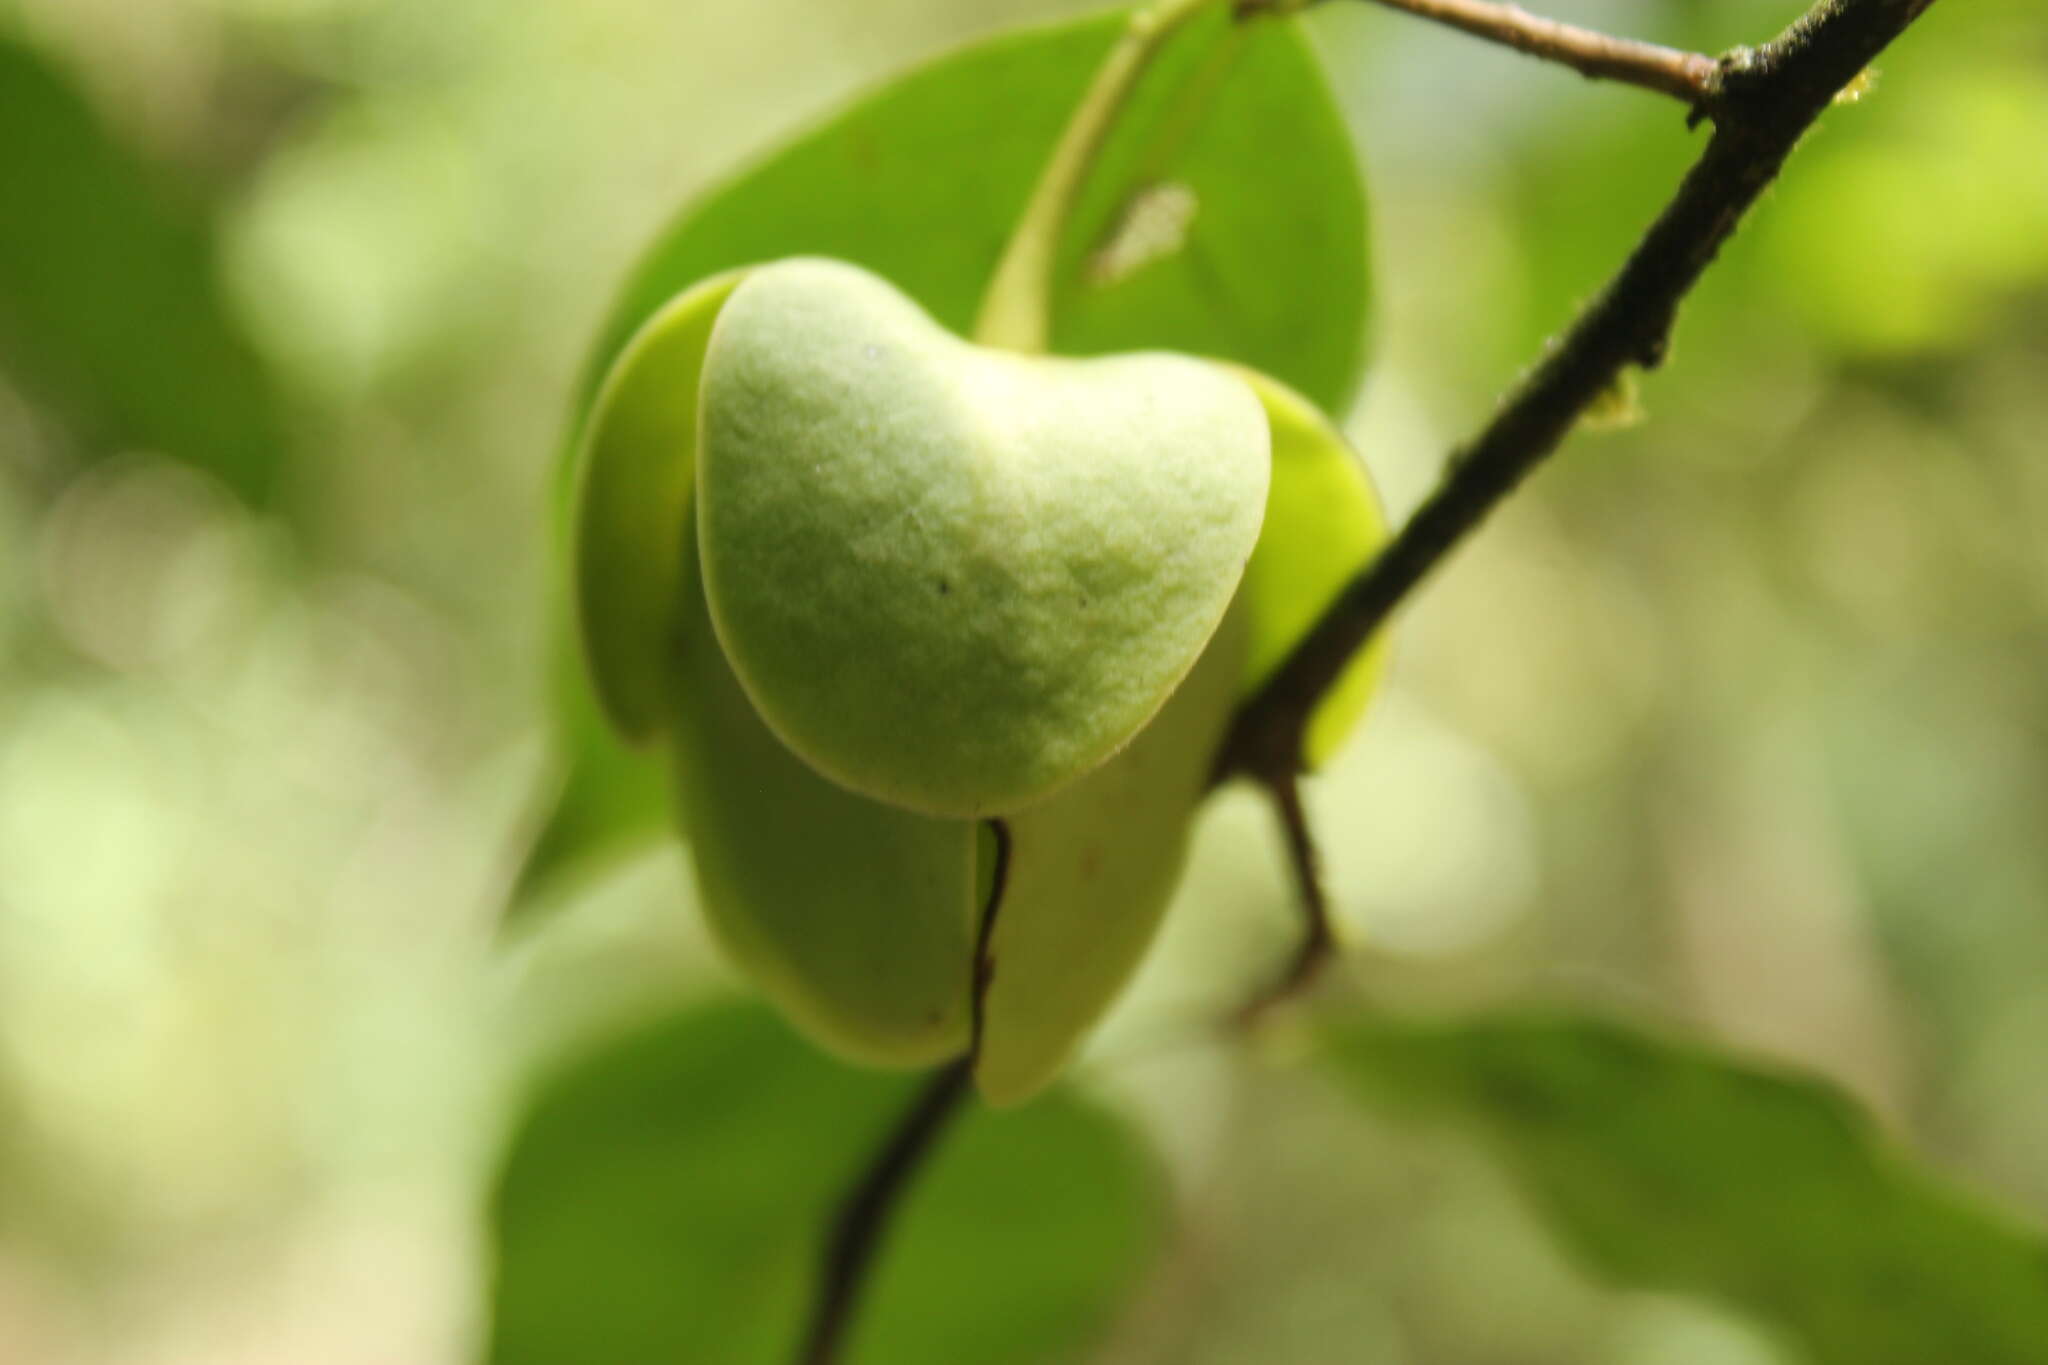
{"x": 1733, "y": 721}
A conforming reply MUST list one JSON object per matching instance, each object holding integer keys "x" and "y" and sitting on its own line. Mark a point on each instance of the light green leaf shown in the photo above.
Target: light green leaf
{"x": 922, "y": 180}
{"x": 1910, "y": 231}
{"x": 666, "y": 1200}
{"x": 1669, "y": 1166}
{"x": 111, "y": 307}
{"x": 605, "y": 802}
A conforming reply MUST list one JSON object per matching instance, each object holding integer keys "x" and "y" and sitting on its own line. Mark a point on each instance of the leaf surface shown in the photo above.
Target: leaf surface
{"x": 1669, "y": 1166}
{"x": 111, "y": 307}
{"x": 665, "y": 1199}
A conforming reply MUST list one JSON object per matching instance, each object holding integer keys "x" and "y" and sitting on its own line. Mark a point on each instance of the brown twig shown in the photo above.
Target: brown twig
{"x": 1765, "y": 100}
{"x": 1688, "y": 76}
{"x": 1762, "y": 100}
{"x": 984, "y": 938}
{"x": 869, "y": 1205}
{"x": 864, "y": 1216}
{"x": 1318, "y": 942}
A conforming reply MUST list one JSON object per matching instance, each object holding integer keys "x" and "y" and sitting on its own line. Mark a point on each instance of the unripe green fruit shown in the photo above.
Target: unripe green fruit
{"x": 955, "y": 578}
{"x": 872, "y": 583}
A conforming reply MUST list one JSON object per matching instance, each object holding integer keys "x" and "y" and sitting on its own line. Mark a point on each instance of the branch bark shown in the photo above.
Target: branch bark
{"x": 1688, "y": 76}
{"x": 1318, "y": 942}
{"x": 869, "y": 1205}
{"x": 1764, "y": 100}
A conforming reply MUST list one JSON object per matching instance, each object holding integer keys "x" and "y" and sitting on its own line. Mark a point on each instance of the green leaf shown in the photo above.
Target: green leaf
{"x": 1668, "y": 1166}
{"x": 1910, "y": 229}
{"x": 921, "y": 181}
{"x": 666, "y": 1199}
{"x": 110, "y": 303}
{"x": 603, "y": 803}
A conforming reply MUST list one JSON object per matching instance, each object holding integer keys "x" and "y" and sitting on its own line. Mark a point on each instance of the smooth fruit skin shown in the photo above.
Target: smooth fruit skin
{"x": 953, "y": 578}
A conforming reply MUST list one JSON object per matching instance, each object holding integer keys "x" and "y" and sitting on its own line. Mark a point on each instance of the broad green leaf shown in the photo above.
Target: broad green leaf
{"x": 605, "y": 805}
{"x": 951, "y": 577}
{"x": 666, "y": 1199}
{"x": 1323, "y": 524}
{"x": 110, "y": 302}
{"x": 1668, "y": 1166}
{"x": 921, "y": 180}
{"x": 1228, "y": 219}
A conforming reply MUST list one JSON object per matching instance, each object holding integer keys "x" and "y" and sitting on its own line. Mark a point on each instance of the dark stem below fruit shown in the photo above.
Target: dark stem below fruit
{"x": 868, "y": 1207}
{"x": 984, "y": 938}
{"x": 1318, "y": 942}
{"x": 865, "y": 1212}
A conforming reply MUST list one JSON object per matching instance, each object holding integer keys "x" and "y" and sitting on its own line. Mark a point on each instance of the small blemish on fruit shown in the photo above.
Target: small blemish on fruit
{"x": 944, "y": 587}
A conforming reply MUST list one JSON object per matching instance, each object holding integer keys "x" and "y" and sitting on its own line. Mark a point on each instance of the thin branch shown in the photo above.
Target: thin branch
{"x": 857, "y": 1232}
{"x": 984, "y": 938}
{"x": 1318, "y": 943}
{"x": 1688, "y": 76}
{"x": 1766, "y": 100}
{"x": 869, "y": 1205}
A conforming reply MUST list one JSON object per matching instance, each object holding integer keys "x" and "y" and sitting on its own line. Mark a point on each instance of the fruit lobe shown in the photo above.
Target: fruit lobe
{"x": 954, "y": 578}
{"x": 636, "y": 488}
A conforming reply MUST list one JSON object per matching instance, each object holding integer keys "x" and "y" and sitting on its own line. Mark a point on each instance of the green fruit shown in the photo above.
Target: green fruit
{"x": 872, "y": 583}
{"x": 634, "y": 494}
{"x": 953, "y": 578}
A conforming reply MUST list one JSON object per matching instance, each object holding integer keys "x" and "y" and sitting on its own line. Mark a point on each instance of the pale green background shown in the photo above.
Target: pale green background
{"x": 1735, "y": 718}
